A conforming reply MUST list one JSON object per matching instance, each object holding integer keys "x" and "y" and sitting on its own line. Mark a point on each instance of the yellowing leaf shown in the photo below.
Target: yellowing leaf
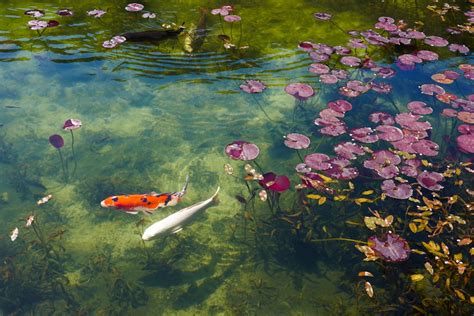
{"x": 416, "y": 277}
{"x": 368, "y": 192}
{"x": 340, "y": 197}
{"x": 365, "y": 274}
{"x": 322, "y": 200}
{"x": 413, "y": 227}
{"x": 313, "y": 196}
{"x": 351, "y": 185}
{"x": 458, "y": 257}
{"x": 429, "y": 268}
{"x": 458, "y": 171}
{"x": 460, "y": 295}
{"x": 370, "y": 222}
{"x": 453, "y": 199}
{"x": 359, "y": 201}
{"x": 425, "y": 163}
{"x": 368, "y": 289}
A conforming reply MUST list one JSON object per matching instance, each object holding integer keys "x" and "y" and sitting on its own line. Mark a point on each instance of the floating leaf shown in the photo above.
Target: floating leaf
{"x": 429, "y": 268}
{"x": 322, "y": 200}
{"x": 365, "y": 274}
{"x": 340, "y": 197}
{"x": 313, "y": 196}
{"x": 368, "y": 192}
{"x": 413, "y": 227}
{"x": 460, "y": 294}
{"x": 464, "y": 241}
{"x": 370, "y": 222}
{"x": 416, "y": 277}
{"x": 359, "y": 201}
{"x": 369, "y": 289}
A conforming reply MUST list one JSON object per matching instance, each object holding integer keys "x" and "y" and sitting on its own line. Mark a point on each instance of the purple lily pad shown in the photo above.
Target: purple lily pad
{"x": 232, "y": 18}
{"x": 297, "y": 141}
{"x": 322, "y": 16}
{"x": 406, "y": 144}
{"x": 340, "y": 169}
{"x": 342, "y": 50}
{"x": 384, "y": 163}
{"x": 402, "y": 191}
{"x": 300, "y": 91}
{"x": 466, "y": 129}
{"x": 56, "y": 140}
{"x": 242, "y": 150}
{"x": 134, "y": 7}
{"x": 350, "y": 61}
{"x": 65, "y": 12}
{"x": 449, "y": 113}
{"x": 385, "y": 72}
{"x": 253, "y": 86}
{"x": 381, "y": 87}
{"x": 349, "y": 150}
{"x": 341, "y": 106}
{"x": 364, "y": 135}
{"x": 319, "y": 57}
{"x": 339, "y": 73}
{"x": 409, "y": 59}
{"x": 328, "y": 79}
{"x": 71, "y": 124}
{"x": 319, "y": 69}
{"x": 431, "y": 89}
{"x": 390, "y": 247}
{"x": 427, "y": 55}
{"x": 416, "y": 35}
{"x": 381, "y": 117}
{"x": 409, "y": 121}
{"x": 419, "y": 107}
{"x": 389, "y": 133}
{"x": 462, "y": 49}
{"x": 436, "y": 41}
{"x": 334, "y": 129}
{"x": 429, "y": 180}
{"x": 466, "y": 143}
{"x": 357, "y": 43}
{"x": 426, "y": 147}
{"x": 275, "y": 183}
{"x": 410, "y": 167}
{"x": 302, "y": 168}
{"x": 307, "y": 46}
{"x": 317, "y": 161}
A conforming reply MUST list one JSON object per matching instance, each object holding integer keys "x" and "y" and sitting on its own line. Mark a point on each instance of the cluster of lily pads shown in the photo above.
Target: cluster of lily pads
{"x": 394, "y": 149}
{"x": 224, "y": 13}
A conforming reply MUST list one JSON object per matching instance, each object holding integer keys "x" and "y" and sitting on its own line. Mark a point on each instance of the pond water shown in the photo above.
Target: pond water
{"x": 153, "y": 112}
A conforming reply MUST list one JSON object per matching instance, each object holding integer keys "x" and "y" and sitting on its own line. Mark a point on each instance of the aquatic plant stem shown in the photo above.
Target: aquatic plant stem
{"x": 62, "y": 165}
{"x": 73, "y": 154}
{"x": 240, "y": 36}
{"x": 258, "y": 166}
{"x": 299, "y": 155}
{"x": 338, "y": 27}
{"x": 231, "y": 27}
{"x": 340, "y": 239}
{"x": 222, "y": 25}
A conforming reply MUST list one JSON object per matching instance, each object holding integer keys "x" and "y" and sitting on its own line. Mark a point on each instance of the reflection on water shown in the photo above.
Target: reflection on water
{"x": 152, "y": 114}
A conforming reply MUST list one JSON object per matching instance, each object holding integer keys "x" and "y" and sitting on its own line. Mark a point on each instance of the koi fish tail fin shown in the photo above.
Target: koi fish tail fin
{"x": 185, "y": 187}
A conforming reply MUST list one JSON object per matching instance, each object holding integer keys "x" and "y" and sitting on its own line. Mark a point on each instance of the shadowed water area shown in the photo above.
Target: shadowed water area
{"x": 152, "y": 114}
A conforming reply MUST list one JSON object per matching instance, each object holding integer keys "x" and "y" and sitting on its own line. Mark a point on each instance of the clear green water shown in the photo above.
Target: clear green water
{"x": 151, "y": 115}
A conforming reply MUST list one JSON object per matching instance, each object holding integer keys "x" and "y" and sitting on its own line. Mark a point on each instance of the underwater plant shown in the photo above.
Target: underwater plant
{"x": 58, "y": 142}
{"x": 70, "y": 125}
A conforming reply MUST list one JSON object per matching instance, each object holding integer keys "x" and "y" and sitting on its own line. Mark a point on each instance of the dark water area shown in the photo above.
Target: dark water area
{"x": 342, "y": 146}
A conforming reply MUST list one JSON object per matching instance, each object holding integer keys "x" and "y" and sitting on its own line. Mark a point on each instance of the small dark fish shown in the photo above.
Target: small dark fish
{"x": 12, "y": 107}
{"x": 223, "y": 38}
{"x": 241, "y": 199}
{"x": 152, "y": 35}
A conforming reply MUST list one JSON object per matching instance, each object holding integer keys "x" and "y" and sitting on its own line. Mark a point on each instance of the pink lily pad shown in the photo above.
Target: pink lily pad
{"x": 402, "y": 191}
{"x": 390, "y": 247}
{"x": 419, "y": 107}
{"x": 297, "y": 141}
{"x": 317, "y": 161}
{"x": 242, "y": 150}
{"x": 300, "y": 91}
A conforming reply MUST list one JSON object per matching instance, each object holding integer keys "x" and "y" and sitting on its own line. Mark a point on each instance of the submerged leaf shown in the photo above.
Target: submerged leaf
{"x": 416, "y": 277}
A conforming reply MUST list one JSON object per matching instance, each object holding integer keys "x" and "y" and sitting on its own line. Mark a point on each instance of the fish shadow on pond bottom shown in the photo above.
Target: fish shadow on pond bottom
{"x": 165, "y": 275}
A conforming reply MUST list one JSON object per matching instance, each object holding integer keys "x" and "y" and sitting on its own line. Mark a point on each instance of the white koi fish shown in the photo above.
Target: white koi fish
{"x": 175, "y": 222}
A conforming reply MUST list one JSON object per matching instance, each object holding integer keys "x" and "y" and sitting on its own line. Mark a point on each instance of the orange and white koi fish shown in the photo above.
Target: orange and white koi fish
{"x": 146, "y": 203}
